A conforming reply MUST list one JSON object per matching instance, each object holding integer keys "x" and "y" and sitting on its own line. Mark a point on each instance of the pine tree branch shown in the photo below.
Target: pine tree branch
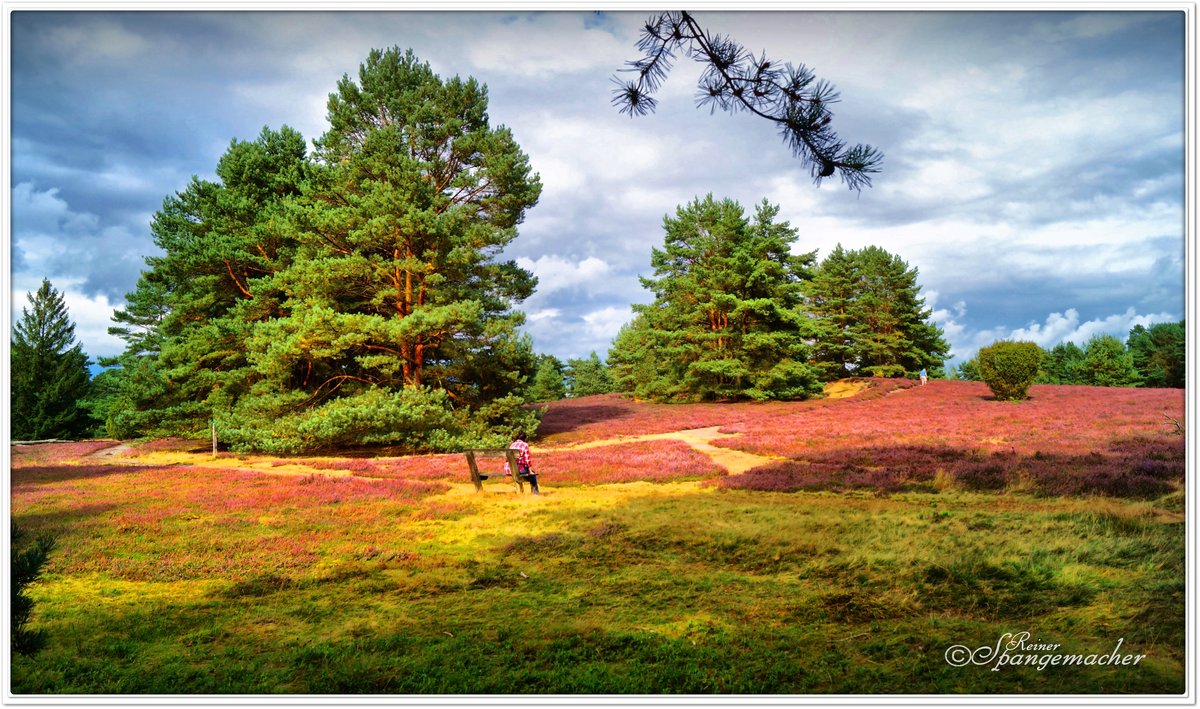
{"x": 735, "y": 80}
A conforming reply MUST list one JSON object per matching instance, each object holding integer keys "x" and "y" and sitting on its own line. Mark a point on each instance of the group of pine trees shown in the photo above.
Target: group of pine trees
{"x": 578, "y": 376}
{"x": 1153, "y": 356}
{"x": 737, "y": 315}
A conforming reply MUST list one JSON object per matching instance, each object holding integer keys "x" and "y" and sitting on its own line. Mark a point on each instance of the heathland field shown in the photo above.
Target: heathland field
{"x": 880, "y": 541}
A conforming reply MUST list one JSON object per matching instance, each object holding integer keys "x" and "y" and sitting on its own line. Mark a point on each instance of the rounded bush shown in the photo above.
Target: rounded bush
{"x": 1008, "y": 368}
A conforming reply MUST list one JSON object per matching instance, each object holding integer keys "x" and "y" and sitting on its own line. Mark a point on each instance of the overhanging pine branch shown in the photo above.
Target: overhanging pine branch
{"x": 736, "y": 80}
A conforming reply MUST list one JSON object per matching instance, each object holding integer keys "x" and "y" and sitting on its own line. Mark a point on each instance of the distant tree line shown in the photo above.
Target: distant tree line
{"x": 581, "y": 376}
{"x": 1153, "y": 356}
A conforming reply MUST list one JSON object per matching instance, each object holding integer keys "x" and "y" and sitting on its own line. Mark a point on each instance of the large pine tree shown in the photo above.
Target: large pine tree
{"x": 353, "y": 296}
{"x": 831, "y": 297}
{"x": 49, "y": 371}
{"x": 548, "y": 380}
{"x": 1060, "y": 364}
{"x": 870, "y": 318}
{"x": 726, "y": 321}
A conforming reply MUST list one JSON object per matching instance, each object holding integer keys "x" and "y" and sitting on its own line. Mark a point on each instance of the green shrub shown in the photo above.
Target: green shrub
{"x": 414, "y": 418}
{"x": 417, "y": 419}
{"x": 1009, "y": 368}
{"x": 26, "y": 565}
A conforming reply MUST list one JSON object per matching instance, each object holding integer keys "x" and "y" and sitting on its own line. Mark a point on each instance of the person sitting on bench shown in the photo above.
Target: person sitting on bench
{"x": 523, "y": 462}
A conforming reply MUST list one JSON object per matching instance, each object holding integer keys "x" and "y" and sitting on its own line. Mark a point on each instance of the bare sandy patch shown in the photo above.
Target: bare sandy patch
{"x": 844, "y": 388}
{"x": 700, "y": 439}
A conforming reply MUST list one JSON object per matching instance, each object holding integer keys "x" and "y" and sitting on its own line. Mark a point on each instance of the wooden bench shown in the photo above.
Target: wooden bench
{"x": 478, "y": 477}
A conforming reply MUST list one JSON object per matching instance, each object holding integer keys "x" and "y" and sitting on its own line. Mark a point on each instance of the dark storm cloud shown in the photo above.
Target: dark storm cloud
{"x": 111, "y": 129}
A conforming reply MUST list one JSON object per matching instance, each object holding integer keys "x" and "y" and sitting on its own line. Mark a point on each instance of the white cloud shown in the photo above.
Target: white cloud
{"x": 556, "y": 273}
{"x": 947, "y": 318}
{"x": 576, "y": 336}
{"x": 603, "y": 150}
{"x": 604, "y": 324}
{"x": 92, "y": 317}
{"x": 1057, "y": 327}
{"x": 44, "y": 212}
{"x": 941, "y": 179}
{"x": 544, "y": 314}
{"x": 1117, "y": 325}
{"x": 82, "y": 259}
{"x": 1088, "y": 25}
{"x": 305, "y": 106}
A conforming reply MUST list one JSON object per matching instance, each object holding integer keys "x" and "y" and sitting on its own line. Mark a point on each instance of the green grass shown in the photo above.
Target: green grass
{"x": 159, "y": 586}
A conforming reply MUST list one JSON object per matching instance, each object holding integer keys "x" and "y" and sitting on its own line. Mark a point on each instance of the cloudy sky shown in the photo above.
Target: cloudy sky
{"x": 1033, "y": 170}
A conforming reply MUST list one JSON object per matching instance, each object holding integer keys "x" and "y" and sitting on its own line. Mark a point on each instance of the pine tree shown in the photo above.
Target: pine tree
{"x": 1060, "y": 364}
{"x": 633, "y": 359}
{"x": 588, "y": 376}
{"x": 1106, "y": 362}
{"x": 25, "y": 566}
{"x": 831, "y": 297}
{"x": 968, "y": 371}
{"x": 187, "y": 323}
{"x": 124, "y": 396}
{"x": 548, "y": 380}
{"x": 869, "y": 317}
{"x": 1160, "y": 353}
{"x": 49, "y": 371}
{"x": 726, "y": 321}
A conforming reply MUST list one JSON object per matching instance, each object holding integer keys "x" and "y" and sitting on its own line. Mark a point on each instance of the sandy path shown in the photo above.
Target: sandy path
{"x": 700, "y": 439}
{"x": 116, "y": 450}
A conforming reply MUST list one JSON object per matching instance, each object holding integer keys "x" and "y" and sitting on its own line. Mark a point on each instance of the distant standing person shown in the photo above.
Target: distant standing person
{"x": 924, "y": 376}
{"x": 523, "y": 462}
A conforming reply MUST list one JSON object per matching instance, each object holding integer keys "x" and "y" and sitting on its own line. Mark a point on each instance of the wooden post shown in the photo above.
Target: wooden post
{"x": 511, "y": 455}
{"x": 214, "y": 436}
{"x": 474, "y": 471}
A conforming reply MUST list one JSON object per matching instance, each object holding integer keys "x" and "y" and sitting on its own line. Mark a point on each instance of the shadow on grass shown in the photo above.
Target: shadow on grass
{"x": 57, "y": 522}
{"x": 48, "y": 474}
{"x": 568, "y": 416}
{"x": 1140, "y": 468}
{"x": 667, "y": 592}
